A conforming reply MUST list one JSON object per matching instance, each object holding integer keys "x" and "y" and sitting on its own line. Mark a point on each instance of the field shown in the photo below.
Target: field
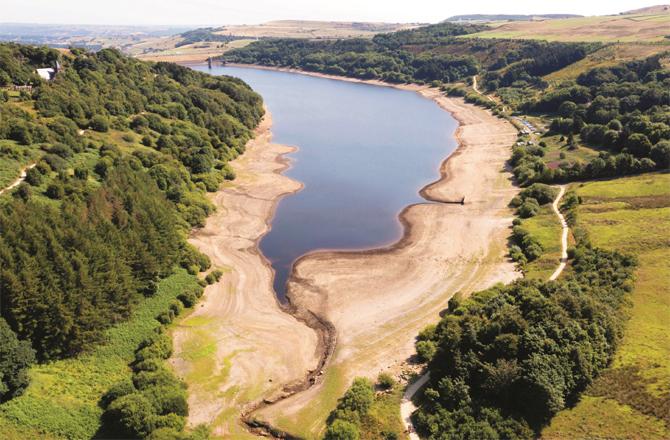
{"x": 62, "y": 399}
{"x": 631, "y": 215}
{"x": 546, "y": 228}
{"x": 165, "y": 48}
{"x": 608, "y": 56}
{"x": 636, "y": 28}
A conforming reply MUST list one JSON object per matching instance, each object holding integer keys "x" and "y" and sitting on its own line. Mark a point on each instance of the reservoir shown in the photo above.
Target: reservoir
{"x": 364, "y": 154}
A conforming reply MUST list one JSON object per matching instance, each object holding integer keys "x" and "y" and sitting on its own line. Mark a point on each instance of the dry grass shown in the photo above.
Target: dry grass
{"x": 617, "y": 28}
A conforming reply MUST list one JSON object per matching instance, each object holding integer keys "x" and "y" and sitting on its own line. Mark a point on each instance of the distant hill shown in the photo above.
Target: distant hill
{"x": 658, "y": 9}
{"x": 508, "y": 17}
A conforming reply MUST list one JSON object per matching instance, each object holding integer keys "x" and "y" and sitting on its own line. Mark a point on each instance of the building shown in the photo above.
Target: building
{"x": 47, "y": 73}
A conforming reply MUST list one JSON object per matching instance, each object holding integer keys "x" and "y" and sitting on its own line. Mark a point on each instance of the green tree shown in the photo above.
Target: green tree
{"x": 16, "y": 356}
{"x": 342, "y": 430}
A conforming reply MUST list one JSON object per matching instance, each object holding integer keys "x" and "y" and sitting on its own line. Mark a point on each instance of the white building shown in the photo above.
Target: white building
{"x": 47, "y": 73}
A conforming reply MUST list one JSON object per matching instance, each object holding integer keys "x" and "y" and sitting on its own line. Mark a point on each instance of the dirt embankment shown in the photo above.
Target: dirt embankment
{"x": 368, "y": 306}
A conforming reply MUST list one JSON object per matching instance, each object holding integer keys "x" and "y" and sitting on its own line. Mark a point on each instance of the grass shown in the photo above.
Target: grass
{"x": 614, "y": 29}
{"x": 383, "y": 416}
{"x": 631, "y": 215}
{"x": 546, "y": 228}
{"x": 62, "y": 399}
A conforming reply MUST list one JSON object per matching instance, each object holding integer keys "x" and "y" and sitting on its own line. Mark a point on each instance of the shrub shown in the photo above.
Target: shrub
{"x": 528, "y": 208}
{"x": 100, "y": 123}
{"x": 55, "y": 191}
{"x": 168, "y": 398}
{"x": 159, "y": 377}
{"x": 16, "y": 356}
{"x": 425, "y": 350}
{"x": 188, "y": 299}
{"x": 213, "y": 276}
{"x": 540, "y": 192}
{"x": 129, "y": 415}
{"x": 116, "y": 391}
{"x": 158, "y": 346}
{"x": 176, "y": 307}
{"x": 342, "y": 430}
{"x": 34, "y": 176}
{"x": 385, "y": 381}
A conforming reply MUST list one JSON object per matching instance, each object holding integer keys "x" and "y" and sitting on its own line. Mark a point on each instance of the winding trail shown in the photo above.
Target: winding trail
{"x": 17, "y": 182}
{"x": 564, "y": 235}
{"x": 474, "y": 87}
{"x": 407, "y": 406}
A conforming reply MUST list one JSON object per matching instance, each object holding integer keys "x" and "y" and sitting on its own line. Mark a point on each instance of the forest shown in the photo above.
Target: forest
{"x": 623, "y": 111}
{"x": 425, "y": 55}
{"x": 124, "y": 152}
{"x": 505, "y": 360}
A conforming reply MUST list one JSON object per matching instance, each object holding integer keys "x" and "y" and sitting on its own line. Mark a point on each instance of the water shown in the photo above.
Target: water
{"x": 364, "y": 154}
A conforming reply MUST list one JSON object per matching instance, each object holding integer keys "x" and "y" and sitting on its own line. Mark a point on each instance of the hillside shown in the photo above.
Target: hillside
{"x": 584, "y": 111}
{"x": 200, "y": 44}
{"x": 118, "y": 156}
{"x": 508, "y": 17}
{"x": 649, "y": 25}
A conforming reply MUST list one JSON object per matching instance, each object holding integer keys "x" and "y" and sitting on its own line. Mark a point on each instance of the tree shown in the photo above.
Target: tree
{"x": 100, "y": 123}
{"x": 359, "y": 396}
{"x": 130, "y": 414}
{"x": 342, "y": 430}
{"x": 661, "y": 154}
{"x": 639, "y": 145}
{"x": 15, "y": 358}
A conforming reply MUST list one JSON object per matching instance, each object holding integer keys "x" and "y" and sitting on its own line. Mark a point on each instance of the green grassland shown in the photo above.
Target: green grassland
{"x": 62, "y": 399}
{"x": 631, "y": 215}
{"x": 545, "y": 228}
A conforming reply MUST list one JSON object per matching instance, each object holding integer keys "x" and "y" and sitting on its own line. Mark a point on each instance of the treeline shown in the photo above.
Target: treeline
{"x": 504, "y": 361}
{"x": 624, "y": 110}
{"x": 153, "y": 403}
{"x": 423, "y": 55}
{"x": 204, "y": 35}
{"x": 103, "y": 216}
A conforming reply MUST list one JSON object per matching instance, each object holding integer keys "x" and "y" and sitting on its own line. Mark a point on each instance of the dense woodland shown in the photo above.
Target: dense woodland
{"x": 504, "y": 361}
{"x": 624, "y": 111}
{"x": 424, "y": 55}
{"x": 124, "y": 153}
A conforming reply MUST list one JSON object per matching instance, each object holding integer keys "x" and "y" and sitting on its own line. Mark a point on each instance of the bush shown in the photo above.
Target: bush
{"x": 528, "y": 208}
{"x": 116, "y": 391}
{"x": 158, "y": 346}
{"x": 342, "y": 430}
{"x": 34, "y": 176}
{"x": 213, "y": 276}
{"x": 159, "y": 377}
{"x": 16, "y": 356}
{"x": 55, "y": 191}
{"x": 188, "y": 299}
{"x": 385, "y": 381}
{"x": 168, "y": 398}
{"x": 130, "y": 415}
{"x": 100, "y": 123}
{"x": 425, "y": 350}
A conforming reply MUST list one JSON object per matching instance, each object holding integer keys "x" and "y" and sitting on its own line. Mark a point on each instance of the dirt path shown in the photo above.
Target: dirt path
{"x": 474, "y": 87}
{"x": 564, "y": 234}
{"x": 17, "y": 182}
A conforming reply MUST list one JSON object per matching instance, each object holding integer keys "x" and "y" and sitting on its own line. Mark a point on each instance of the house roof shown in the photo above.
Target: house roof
{"x": 46, "y": 73}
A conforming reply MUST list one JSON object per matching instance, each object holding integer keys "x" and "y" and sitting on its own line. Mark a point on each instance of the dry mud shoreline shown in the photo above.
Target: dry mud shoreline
{"x": 362, "y": 309}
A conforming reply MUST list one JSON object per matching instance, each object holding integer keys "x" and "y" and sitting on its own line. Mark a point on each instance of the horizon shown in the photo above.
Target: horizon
{"x": 207, "y": 13}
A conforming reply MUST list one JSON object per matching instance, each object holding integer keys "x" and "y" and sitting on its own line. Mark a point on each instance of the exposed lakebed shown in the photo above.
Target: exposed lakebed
{"x": 364, "y": 152}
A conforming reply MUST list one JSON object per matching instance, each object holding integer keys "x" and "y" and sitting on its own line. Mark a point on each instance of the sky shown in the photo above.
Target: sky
{"x": 218, "y": 12}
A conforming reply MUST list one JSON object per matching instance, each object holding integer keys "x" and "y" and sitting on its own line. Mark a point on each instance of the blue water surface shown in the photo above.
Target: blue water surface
{"x": 364, "y": 153}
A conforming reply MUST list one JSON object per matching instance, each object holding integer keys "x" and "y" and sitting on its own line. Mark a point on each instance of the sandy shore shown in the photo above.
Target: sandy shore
{"x": 238, "y": 346}
{"x": 376, "y": 301}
